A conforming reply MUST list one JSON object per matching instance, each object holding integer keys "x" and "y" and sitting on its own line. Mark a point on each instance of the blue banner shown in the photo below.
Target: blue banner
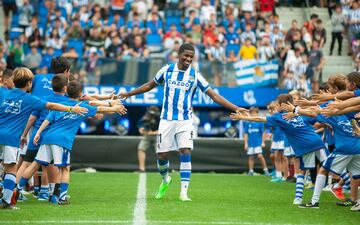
{"x": 243, "y": 97}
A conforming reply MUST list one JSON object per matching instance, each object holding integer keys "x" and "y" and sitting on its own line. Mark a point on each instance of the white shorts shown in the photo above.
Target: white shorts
{"x": 254, "y": 150}
{"x": 337, "y": 163}
{"x": 174, "y": 135}
{"x": 289, "y": 152}
{"x": 48, "y": 153}
{"x": 9, "y": 154}
{"x": 277, "y": 145}
{"x": 308, "y": 161}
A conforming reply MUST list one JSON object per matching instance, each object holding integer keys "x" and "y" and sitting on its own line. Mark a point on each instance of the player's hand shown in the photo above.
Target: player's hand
{"x": 357, "y": 115}
{"x": 246, "y": 146}
{"x": 123, "y": 96}
{"x": 23, "y": 141}
{"x": 263, "y": 145}
{"x": 356, "y": 128}
{"x": 288, "y": 107}
{"x": 113, "y": 96}
{"x": 36, "y": 139}
{"x": 242, "y": 110}
{"x": 327, "y": 111}
{"x": 237, "y": 116}
{"x": 322, "y": 96}
{"x": 305, "y": 102}
{"x": 289, "y": 115}
{"x": 79, "y": 110}
{"x": 335, "y": 104}
{"x": 120, "y": 109}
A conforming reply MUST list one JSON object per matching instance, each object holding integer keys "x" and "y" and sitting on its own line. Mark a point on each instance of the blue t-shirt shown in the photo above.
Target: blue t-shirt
{"x": 357, "y": 92}
{"x": 286, "y": 143}
{"x": 15, "y": 109}
{"x": 41, "y": 116}
{"x": 42, "y": 85}
{"x": 154, "y": 26}
{"x": 345, "y": 141}
{"x": 255, "y": 131}
{"x": 64, "y": 125}
{"x": 329, "y": 137}
{"x": 278, "y": 135}
{"x": 300, "y": 134}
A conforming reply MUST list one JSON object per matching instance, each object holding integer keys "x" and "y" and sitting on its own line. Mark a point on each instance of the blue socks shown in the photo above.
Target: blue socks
{"x": 299, "y": 186}
{"x": 9, "y": 185}
{"x": 63, "y": 191}
{"x": 185, "y": 172}
{"x": 163, "y": 166}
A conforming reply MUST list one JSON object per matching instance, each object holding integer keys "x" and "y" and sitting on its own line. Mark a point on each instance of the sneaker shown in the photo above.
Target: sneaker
{"x": 347, "y": 202}
{"x": 43, "y": 197}
{"x": 338, "y": 193}
{"x": 250, "y": 174}
{"x": 297, "y": 201}
{"x": 291, "y": 180}
{"x": 309, "y": 205}
{"x": 310, "y": 186}
{"x": 327, "y": 188}
{"x": 14, "y": 197}
{"x": 21, "y": 197}
{"x": 162, "y": 189}
{"x": 54, "y": 199}
{"x": 272, "y": 174}
{"x": 64, "y": 202}
{"x": 277, "y": 179}
{"x": 184, "y": 198}
{"x": 5, "y": 205}
{"x": 266, "y": 173}
{"x": 356, "y": 207}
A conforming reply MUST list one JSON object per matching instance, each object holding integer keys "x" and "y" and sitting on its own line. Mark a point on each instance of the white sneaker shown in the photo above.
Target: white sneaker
{"x": 184, "y": 198}
{"x": 327, "y": 188}
{"x": 297, "y": 201}
{"x": 356, "y": 207}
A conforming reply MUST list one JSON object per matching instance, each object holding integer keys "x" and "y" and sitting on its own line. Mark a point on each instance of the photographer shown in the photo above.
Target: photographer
{"x": 148, "y": 127}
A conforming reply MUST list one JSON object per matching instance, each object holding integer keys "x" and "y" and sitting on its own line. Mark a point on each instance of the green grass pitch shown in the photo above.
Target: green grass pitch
{"x": 109, "y": 198}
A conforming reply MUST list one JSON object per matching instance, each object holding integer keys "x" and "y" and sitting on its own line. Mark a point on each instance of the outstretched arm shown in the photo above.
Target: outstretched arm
{"x": 63, "y": 108}
{"x": 311, "y": 111}
{"x": 222, "y": 101}
{"x": 240, "y": 116}
{"x": 142, "y": 89}
{"x": 335, "y": 111}
{"x": 344, "y": 104}
{"x": 327, "y": 96}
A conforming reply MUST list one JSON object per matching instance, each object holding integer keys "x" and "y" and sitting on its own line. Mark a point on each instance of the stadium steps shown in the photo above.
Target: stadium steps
{"x": 287, "y": 14}
{"x": 333, "y": 64}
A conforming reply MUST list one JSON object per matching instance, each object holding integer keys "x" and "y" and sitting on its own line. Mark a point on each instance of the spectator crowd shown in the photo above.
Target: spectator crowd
{"x": 223, "y": 32}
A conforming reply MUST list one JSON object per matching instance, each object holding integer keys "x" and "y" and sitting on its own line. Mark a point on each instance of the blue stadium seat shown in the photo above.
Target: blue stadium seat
{"x": 154, "y": 42}
{"x": 58, "y": 52}
{"x": 232, "y": 47}
{"x": 173, "y": 20}
{"x": 63, "y": 12}
{"x": 14, "y": 34}
{"x": 77, "y": 44}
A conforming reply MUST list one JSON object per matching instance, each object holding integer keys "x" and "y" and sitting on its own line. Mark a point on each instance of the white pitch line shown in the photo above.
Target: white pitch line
{"x": 140, "y": 205}
{"x": 149, "y": 221}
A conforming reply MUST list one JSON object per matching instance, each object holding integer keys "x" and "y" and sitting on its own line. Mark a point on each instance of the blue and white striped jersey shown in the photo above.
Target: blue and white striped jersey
{"x": 179, "y": 90}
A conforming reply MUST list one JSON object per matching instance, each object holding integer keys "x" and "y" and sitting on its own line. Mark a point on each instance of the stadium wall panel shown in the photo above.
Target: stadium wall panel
{"x": 114, "y": 153}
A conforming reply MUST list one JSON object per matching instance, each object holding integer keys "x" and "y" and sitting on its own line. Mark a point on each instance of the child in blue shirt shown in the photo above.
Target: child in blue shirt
{"x": 301, "y": 136}
{"x": 57, "y": 142}
{"x": 254, "y": 142}
{"x": 15, "y": 108}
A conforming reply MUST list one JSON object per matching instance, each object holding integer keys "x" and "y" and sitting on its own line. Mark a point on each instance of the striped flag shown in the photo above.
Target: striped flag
{"x": 256, "y": 73}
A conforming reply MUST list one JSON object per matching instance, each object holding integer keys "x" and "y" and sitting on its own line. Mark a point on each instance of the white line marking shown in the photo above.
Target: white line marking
{"x": 140, "y": 205}
{"x": 149, "y": 222}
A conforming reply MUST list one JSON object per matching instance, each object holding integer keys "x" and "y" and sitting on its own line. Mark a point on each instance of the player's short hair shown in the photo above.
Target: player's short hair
{"x": 324, "y": 86}
{"x": 59, "y": 81}
{"x": 7, "y": 73}
{"x": 59, "y": 65}
{"x": 22, "y": 76}
{"x": 186, "y": 46}
{"x": 272, "y": 105}
{"x": 338, "y": 81}
{"x": 285, "y": 98}
{"x": 354, "y": 77}
{"x": 74, "y": 88}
